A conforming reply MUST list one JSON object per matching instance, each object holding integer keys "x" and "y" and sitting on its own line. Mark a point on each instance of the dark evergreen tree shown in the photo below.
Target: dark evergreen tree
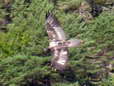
{"x": 23, "y": 61}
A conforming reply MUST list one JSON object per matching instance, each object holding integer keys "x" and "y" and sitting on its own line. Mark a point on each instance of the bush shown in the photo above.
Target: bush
{"x": 23, "y": 61}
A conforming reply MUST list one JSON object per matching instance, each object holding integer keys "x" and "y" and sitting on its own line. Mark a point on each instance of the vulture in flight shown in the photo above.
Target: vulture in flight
{"x": 58, "y": 43}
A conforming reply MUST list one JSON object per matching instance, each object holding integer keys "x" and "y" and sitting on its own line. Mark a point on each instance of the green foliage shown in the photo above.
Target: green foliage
{"x": 66, "y": 4}
{"x": 17, "y": 70}
{"x": 104, "y": 1}
{"x": 26, "y": 36}
{"x": 67, "y": 84}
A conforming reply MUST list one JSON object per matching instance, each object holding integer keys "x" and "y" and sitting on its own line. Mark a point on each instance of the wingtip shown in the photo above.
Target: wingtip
{"x": 49, "y": 14}
{"x": 58, "y": 67}
{"x": 52, "y": 19}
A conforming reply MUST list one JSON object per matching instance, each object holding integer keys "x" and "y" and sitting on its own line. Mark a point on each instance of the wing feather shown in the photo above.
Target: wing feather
{"x": 74, "y": 43}
{"x": 60, "y": 59}
{"x": 54, "y": 29}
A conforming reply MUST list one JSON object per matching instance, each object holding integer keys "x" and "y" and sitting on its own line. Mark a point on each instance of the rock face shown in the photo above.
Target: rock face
{"x": 92, "y": 8}
{"x": 87, "y": 9}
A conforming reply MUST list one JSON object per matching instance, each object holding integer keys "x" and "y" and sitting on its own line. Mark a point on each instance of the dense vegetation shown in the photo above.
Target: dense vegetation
{"x": 23, "y": 38}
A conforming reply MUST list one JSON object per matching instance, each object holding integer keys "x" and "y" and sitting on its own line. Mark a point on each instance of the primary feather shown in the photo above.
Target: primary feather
{"x": 53, "y": 25}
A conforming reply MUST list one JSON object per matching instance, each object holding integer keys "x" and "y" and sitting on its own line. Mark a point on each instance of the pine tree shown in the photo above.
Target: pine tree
{"x": 23, "y": 61}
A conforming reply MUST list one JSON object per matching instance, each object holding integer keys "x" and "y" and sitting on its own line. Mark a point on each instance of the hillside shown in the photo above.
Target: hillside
{"x": 23, "y": 61}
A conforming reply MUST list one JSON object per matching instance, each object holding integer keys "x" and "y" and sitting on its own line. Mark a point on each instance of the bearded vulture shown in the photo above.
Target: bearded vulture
{"x": 58, "y": 43}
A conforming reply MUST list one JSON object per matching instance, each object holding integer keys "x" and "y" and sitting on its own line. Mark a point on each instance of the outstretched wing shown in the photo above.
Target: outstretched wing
{"x": 54, "y": 29}
{"x": 73, "y": 43}
{"x": 60, "y": 59}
